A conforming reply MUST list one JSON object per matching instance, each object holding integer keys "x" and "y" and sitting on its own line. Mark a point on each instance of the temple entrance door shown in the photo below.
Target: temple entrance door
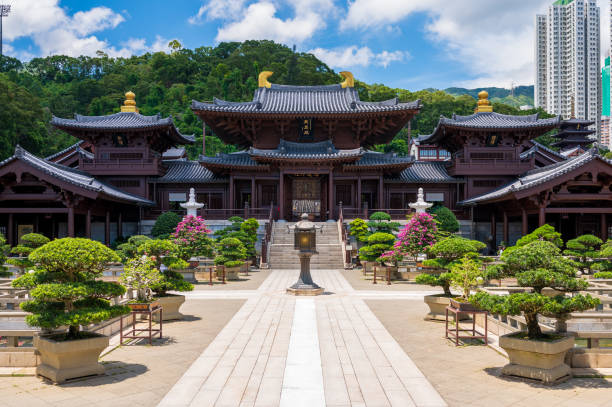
{"x": 369, "y": 199}
{"x": 243, "y": 198}
{"x": 305, "y": 196}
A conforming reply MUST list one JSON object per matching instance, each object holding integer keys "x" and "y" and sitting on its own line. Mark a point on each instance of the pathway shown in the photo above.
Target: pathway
{"x": 280, "y": 350}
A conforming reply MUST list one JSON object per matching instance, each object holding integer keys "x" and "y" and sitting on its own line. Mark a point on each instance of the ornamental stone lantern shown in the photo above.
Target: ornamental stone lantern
{"x": 192, "y": 206}
{"x": 305, "y": 242}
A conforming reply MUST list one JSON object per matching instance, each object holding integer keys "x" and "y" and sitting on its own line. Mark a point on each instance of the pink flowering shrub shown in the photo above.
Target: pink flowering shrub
{"x": 417, "y": 235}
{"x": 191, "y": 236}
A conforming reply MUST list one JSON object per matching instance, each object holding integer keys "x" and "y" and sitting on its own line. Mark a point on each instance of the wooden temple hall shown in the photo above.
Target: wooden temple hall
{"x": 307, "y": 149}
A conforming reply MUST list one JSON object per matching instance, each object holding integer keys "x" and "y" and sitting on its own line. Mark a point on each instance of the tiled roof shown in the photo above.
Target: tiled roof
{"x": 122, "y": 121}
{"x": 535, "y": 147}
{"x": 323, "y": 150}
{"x": 377, "y": 159}
{"x": 64, "y": 151}
{"x": 307, "y": 100}
{"x": 73, "y": 176}
{"x": 240, "y": 159}
{"x": 426, "y": 172}
{"x": 180, "y": 171}
{"x": 538, "y": 176}
{"x": 174, "y": 152}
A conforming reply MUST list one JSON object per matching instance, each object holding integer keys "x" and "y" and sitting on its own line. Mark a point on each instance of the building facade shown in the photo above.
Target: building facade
{"x": 568, "y": 66}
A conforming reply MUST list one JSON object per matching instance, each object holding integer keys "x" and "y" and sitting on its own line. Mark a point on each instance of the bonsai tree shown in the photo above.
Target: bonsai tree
{"x": 249, "y": 228}
{"x": 446, "y": 253}
{"x": 4, "y": 248}
{"x": 378, "y": 243}
{"x": 381, "y": 222}
{"x": 603, "y": 262}
{"x": 538, "y": 264}
{"x": 359, "y": 230}
{"x": 29, "y": 242}
{"x": 129, "y": 249}
{"x": 417, "y": 235}
{"x": 231, "y": 252}
{"x": 64, "y": 291}
{"x": 545, "y": 232}
{"x": 233, "y": 227}
{"x": 466, "y": 274}
{"x": 141, "y": 274}
{"x": 445, "y": 218}
{"x": 165, "y": 224}
{"x": 585, "y": 249}
{"x": 191, "y": 237}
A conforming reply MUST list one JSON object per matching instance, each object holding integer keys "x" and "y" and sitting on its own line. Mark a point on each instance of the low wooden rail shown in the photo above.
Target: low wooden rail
{"x": 267, "y": 239}
{"x": 343, "y": 237}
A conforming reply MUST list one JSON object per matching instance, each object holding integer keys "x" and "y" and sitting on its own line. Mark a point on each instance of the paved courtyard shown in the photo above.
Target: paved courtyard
{"x": 257, "y": 346}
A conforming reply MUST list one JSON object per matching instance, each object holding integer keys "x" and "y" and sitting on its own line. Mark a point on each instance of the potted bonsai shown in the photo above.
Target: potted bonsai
{"x": 465, "y": 275}
{"x": 129, "y": 249}
{"x": 231, "y": 255}
{"x": 29, "y": 242}
{"x": 535, "y": 354}
{"x": 381, "y": 222}
{"x": 65, "y": 293}
{"x": 140, "y": 274}
{"x": 377, "y": 244}
{"x": 445, "y": 254}
{"x": 584, "y": 249}
{"x": 164, "y": 254}
{"x": 4, "y": 248}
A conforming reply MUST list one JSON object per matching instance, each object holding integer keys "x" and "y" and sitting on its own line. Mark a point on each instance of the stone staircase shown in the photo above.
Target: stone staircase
{"x": 283, "y": 256}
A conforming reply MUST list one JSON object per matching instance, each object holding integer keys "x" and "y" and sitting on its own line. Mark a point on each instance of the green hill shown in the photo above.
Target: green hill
{"x": 523, "y": 95}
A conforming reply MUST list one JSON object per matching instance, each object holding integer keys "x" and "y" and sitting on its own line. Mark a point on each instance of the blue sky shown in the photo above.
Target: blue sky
{"x": 412, "y": 44}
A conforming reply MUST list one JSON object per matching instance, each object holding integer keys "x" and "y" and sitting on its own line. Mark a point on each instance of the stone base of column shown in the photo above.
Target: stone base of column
{"x": 306, "y": 291}
{"x": 305, "y": 285}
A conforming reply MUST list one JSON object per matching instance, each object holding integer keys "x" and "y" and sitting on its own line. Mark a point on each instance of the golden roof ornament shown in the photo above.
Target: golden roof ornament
{"x": 483, "y": 106}
{"x": 263, "y": 79}
{"x": 349, "y": 80}
{"x": 129, "y": 105}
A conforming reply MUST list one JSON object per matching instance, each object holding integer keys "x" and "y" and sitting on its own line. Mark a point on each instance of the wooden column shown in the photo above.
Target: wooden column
{"x": 542, "y": 216}
{"x": 281, "y": 194}
{"x": 524, "y": 219}
{"x": 10, "y": 232}
{"x": 381, "y": 199}
{"x": 331, "y": 194}
{"x": 71, "y": 221}
{"x": 358, "y": 194}
{"x": 88, "y": 224}
{"x": 506, "y": 229}
{"x": 253, "y": 202}
{"x": 494, "y": 230}
{"x": 119, "y": 225}
{"x": 604, "y": 227}
{"x": 107, "y": 229}
{"x": 231, "y": 193}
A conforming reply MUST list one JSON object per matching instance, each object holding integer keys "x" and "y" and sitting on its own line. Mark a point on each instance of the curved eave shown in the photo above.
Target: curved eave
{"x": 395, "y": 167}
{"x": 311, "y": 160}
{"x": 225, "y": 166}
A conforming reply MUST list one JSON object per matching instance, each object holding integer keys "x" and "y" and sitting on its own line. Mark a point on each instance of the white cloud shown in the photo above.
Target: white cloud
{"x": 355, "y": 56}
{"x": 55, "y": 32}
{"x": 218, "y": 9}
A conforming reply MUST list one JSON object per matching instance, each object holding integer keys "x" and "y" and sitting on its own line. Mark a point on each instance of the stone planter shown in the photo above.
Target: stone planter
{"x": 64, "y": 360}
{"x": 537, "y": 360}
{"x": 463, "y": 306}
{"x": 171, "y": 304}
{"x": 231, "y": 273}
{"x": 437, "y": 304}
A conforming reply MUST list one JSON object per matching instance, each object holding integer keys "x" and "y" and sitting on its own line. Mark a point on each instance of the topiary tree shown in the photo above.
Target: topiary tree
{"x": 603, "y": 262}
{"x": 545, "y": 232}
{"x": 539, "y": 264}
{"x": 381, "y": 222}
{"x": 417, "y": 235}
{"x": 129, "y": 249}
{"x": 166, "y": 253}
{"x": 585, "y": 249}
{"x": 140, "y": 274}
{"x": 29, "y": 242}
{"x": 191, "y": 237}
{"x": 231, "y": 252}
{"x": 378, "y": 243}
{"x": 165, "y": 224}
{"x": 466, "y": 274}
{"x": 445, "y": 218}
{"x": 359, "y": 230}
{"x": 233, "y": 227}
{"x": 4, "y": 248}
{"x": 446, "y": 253}
{"x": 64, "y": 291}
{"x": 603, "y": 275}
{"x": 249, "y": 228}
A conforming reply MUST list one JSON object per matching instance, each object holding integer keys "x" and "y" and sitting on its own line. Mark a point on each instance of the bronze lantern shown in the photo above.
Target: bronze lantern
{"x": 305, "y": 242}
{"x": 305, "y": 236}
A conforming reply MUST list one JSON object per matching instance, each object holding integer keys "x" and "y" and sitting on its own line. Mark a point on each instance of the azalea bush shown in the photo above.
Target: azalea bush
{"x": 64, "y": 289}
{"x": 29, "y": 242}
{"x": 140, "y": 273}
{"x": 191, "y": 236}
{"x": 417, "y": 235}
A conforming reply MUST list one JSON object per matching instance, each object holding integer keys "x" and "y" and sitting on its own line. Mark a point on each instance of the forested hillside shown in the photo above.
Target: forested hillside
{"x": 30, "y": 93}
{"x": 522, "y": 95}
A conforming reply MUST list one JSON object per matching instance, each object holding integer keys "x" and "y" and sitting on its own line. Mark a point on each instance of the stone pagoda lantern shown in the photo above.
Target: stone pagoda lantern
{"x": 420, "y": 205}
{"x": 192, "y": 206}
{"x": 305, "y": 241}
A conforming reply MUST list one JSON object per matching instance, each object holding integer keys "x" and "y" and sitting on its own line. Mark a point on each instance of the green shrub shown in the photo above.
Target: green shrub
{"x": 4, "y": 249}
{"x": 381, "y": 222}
{"x": 140, "y": 274}
{"x": 446, "y": 219}
{"x": 603, "y": 274}
{"x": 64, "y": 290}
{"x": 29, "y": 242}
{"x": 359, "y": 229}
{"x": 378, "y": 243}
{"x": 545, "y": 232}
{"x": 231, "y": 252}
{"x": 584, "y": 249}
{"x": 129, "y": 249}
{"x": 165, "y": 224}
{"x": 466, "y": 274}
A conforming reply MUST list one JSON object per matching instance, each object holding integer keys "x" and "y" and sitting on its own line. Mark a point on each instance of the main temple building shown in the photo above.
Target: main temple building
{"x": 306, "y": 149}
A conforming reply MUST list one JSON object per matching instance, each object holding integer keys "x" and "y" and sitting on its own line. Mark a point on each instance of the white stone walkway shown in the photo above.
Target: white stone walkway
{"x": 280, "y": 350}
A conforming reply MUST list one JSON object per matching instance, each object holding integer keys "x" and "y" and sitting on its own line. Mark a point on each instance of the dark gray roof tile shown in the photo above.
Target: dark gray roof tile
{"x": 305, "y": 151}
{"x": 427, "y": 172}
{"x": 180, "y": 171}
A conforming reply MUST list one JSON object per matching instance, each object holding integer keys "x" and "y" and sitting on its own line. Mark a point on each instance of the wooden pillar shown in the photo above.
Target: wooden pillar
{"x": 381, "y": 200}
{"x": 604, "y": 227}
{"x": 506, "y": 229}
{"x": 542, "y": 216}
{"x": 331, "y": 194}
{"x": 231, "y": 193}
{"x": 10, "y": 232}
{"x": 494, "y": 230}
{"x": 281, "y": 194}
{"x": 71, "y": 221}
{"x": 119, "y": 225}
{"x": 88, "y": 224}
{"x": 358, "y": 194}
{"x": 524, "y": 219}
{"x": 253, "y": 202}
{"x": 107, "y": 229}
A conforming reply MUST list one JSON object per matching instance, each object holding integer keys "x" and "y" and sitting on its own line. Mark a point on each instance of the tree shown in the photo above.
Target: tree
{"x": 417, "y": 235}
{"x": 585, "y": 249}
{"x": 64, "y": 289}
{"x": 466, "y": 274}
{"x": 29, "y": 242}
{"x": 128, "y": 250}
{"x": 140, "y": 274}
{"x": 378, "y": 243}
{"x": 538, "y": 264}
{"x": 191, "y": 237}
{"x": 165, "y": 224}
{"x": 381, "y": 222}
{"x": 545, "y": 232}
{"x": 445, "y": 218}
{"x": 231, "y": 252}
{"x": 4, "y": 248}
{"x": 359, "y": 229}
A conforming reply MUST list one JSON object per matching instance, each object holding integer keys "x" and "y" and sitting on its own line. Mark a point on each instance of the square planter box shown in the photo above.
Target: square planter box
{"x": 463, "y": 306}
{"x": 143, "y": 306}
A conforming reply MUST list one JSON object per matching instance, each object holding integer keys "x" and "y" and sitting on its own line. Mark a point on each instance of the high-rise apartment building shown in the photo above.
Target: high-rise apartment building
{"x": 568, "y": 66}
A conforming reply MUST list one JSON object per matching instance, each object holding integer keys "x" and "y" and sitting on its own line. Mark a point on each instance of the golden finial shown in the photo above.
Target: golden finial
{"x": 349, "y": 81}
{"x": 263, "y": 79}
{"x": 130, "y": 103}
{"x": 484, "y": 106}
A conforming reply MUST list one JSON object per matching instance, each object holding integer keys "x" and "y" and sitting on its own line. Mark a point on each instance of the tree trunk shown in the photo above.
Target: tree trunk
{"x": 533, "y": 327}
{"x": 73, "y": 331}
{"x": 447, "y": 291}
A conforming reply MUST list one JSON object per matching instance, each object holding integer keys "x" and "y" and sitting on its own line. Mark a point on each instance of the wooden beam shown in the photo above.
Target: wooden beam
{"x": 582, "y": 197}
{"x": 33, "y": 210}
{"x": 578, "y": 210}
